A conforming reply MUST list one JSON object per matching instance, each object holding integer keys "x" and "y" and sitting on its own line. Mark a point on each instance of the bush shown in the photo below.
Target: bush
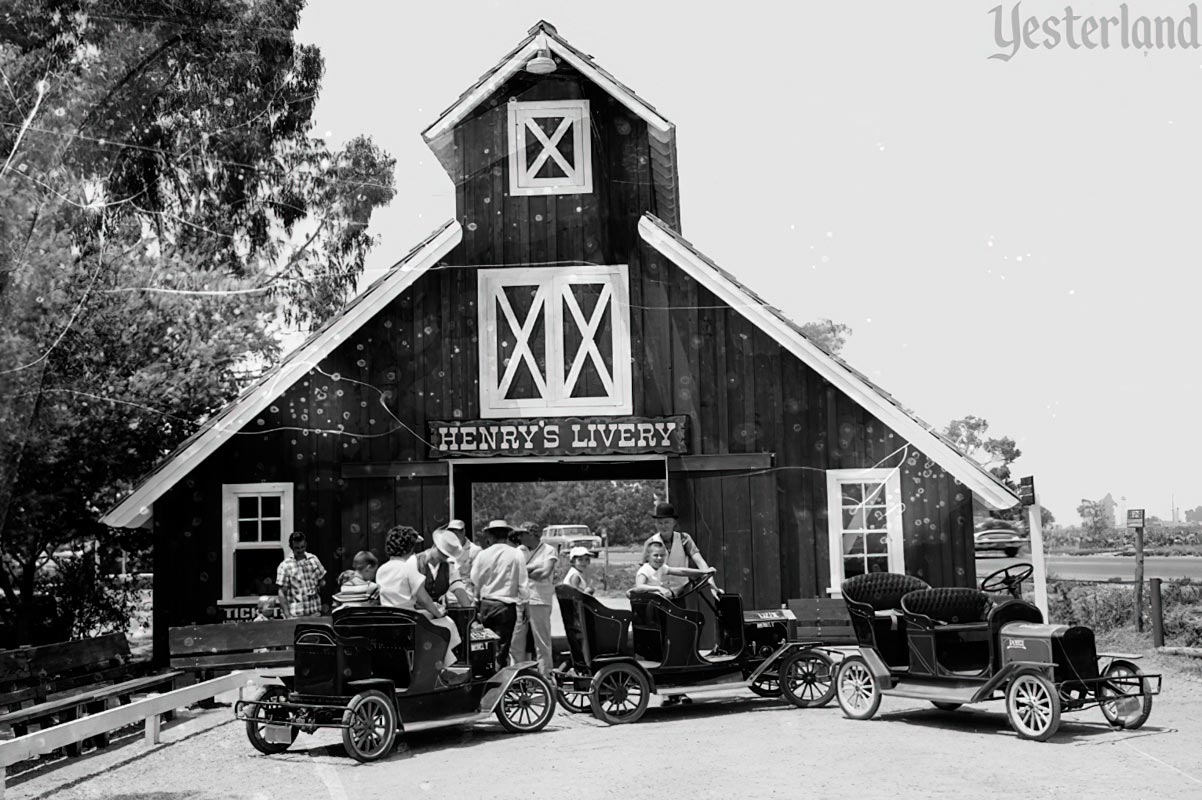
{"x": 87, "y": 602}
{"x": 1106, "y": 607}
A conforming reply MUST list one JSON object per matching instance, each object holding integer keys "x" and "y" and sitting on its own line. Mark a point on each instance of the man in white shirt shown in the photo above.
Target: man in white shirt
{"x": 499, "y": 575}
{"x": 541, "y": 559}
{"x": 468, "y": 550}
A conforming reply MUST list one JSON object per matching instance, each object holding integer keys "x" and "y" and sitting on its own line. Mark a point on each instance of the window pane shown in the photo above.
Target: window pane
{"x": 852, "y": 567}
{"x": 271, "y": 506}
{"x": 853, "y": 543}
{"x": 853, "y": 519}
{"x": 878, "y": 563}
{"x": 852, "y": 494}
{"x": 269, "y": 530}
{"x": 248, "y": 507}
{"x": 877, "y": 542}
{"x": 874, "y": 494}
{"x": 248, "y": 530}
{"x": 875, "y": 519}
{"x": 254, "y": 571}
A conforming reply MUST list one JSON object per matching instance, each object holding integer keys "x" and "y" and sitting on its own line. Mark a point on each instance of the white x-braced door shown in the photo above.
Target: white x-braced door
{"x": 554, "y": 340}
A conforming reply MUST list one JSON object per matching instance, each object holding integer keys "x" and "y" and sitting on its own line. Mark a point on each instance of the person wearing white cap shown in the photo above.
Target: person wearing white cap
{"x": 499, "y": 574}
{"x": 577, "y": 577}
{"x": 467, "y": 555}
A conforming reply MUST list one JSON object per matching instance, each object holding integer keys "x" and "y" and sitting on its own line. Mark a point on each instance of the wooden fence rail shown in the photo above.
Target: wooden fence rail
{"x": 149, "y": 709}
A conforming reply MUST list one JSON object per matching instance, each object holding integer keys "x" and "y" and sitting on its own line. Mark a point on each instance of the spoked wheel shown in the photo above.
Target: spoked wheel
{"x": 857, "y": 689}
{"x": 806, "y": 678}
{"x": 767, "y": 685}
{"x": 945, "y": 706}
{"x": 1121, "y": 705}
{"x": 1033, "y": 706}
{"x": 256, "y": 729}
{"x": 371, "y": 725}
{"x": 620, "y": 694}
{"x": 527, "y": 705}
{"x": 574, "y": 700}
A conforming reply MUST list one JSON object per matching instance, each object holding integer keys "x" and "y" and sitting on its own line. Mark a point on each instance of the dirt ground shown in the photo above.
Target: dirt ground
{"x": 732, "y": 747}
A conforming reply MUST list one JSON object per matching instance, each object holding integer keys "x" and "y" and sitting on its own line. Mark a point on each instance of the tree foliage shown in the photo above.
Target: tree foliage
{"x": 996, "y": 454}
{"x": 619, "y": 509}
{"x": 829, "y": 335}
{"x": 162, "y": 206}
{"x": 1095, "y": 518}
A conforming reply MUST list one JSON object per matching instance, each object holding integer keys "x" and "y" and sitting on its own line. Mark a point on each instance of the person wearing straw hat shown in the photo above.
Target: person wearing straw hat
{"x": 499, "y": 574}
{"x": 437, "y": 565}
{"x": 468, "y": 552}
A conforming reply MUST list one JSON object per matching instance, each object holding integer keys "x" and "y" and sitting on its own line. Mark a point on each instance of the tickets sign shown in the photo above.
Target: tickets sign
{"x": 563, "y": 436}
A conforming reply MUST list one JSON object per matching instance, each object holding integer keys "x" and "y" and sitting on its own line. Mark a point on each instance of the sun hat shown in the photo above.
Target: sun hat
{"x": 498, "y": 527}
{"x": 578, "y": 551}
{"x": 447, "y": 543}
{"x": 665, "y": 510}
{"x": 456, "y": 525}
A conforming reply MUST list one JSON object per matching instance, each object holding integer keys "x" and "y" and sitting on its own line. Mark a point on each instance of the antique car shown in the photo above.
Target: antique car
{"x": 373, "y": 673}
{"x": 618, "y": 658}
{"x": 996, "y": 537}
{"x": 954, "y": 646}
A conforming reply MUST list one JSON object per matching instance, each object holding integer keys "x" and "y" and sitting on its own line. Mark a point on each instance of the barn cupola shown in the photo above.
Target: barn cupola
{"x": 547, "y": 125}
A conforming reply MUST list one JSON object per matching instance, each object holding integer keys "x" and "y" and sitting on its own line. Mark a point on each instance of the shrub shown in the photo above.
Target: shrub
{"x": 87, "y": 602}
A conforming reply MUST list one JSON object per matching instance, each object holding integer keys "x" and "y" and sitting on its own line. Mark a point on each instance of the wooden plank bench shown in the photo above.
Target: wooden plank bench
{"x": 226, "y": 646}
{"x": 68, "y": 680}
{"x": 823, "y": 619}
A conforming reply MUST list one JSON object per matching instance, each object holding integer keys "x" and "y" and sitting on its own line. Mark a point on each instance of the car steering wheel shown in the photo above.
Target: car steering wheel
{"x": 1009, "y": 579}
{"x": 694, "y": 585}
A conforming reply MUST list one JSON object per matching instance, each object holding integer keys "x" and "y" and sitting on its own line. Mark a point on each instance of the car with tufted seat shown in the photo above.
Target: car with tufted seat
{"x": 956, "y": 645}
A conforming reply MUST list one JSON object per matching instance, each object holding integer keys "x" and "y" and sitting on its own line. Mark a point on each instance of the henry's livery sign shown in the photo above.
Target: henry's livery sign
{"x": 566, "y": 436}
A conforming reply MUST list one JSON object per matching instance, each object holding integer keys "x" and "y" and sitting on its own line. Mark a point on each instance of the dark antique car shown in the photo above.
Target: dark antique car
{"x": 619, "y": 658}
{"x": 953, "y": 646}
{"x": 372, "y": 672}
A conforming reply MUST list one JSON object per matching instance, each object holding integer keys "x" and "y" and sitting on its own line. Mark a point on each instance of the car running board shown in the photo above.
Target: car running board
{"x": 694, "y": 691}
{"x": 428, "y": 724}
{"x": 962, "y": 693}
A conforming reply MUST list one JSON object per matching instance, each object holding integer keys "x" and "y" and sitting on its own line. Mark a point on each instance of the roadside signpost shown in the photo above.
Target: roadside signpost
{"x": 1135, "y": 519}
{"x": 1030, "y": 499}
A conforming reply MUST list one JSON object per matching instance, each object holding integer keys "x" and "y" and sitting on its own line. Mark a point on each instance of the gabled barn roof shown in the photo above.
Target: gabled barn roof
{"x": 838, "y": 372}
{"x": 661, "y": 132}
{"x": 135, "y": 509}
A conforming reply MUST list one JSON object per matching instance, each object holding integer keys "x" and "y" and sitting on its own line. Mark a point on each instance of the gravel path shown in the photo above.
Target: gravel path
{"x": 734, "y": 747}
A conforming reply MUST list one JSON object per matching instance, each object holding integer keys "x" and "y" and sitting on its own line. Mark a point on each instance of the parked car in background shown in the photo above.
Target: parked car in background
{"x": 994, "y": 536}
{"x": 565, "y": 537}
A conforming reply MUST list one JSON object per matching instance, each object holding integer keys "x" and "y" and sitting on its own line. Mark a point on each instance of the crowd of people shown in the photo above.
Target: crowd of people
{"x": 509, "y": 578}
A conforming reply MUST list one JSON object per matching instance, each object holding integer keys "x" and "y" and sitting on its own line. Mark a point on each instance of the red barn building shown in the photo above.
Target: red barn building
{"x": 560, "y": 327}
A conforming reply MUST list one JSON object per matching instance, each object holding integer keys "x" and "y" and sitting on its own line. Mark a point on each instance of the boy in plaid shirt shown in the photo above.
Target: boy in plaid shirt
{"x": 299, "y": 580}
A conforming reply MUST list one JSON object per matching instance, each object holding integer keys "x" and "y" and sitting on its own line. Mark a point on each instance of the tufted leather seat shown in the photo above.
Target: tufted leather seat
{"x": 874, "y": 592}
{"x": 947, "y": 606}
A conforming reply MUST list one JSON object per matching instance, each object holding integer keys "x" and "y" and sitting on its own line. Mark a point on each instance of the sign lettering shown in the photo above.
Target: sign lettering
{"x": 1135, "y": 518}
{"x": 560, "y": 436}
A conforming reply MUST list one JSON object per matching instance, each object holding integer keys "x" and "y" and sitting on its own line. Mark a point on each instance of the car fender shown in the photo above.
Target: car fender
{"x": 496, "y": 685}
{"x": 1003, "y": 676}
{"x": 601, "y": 662}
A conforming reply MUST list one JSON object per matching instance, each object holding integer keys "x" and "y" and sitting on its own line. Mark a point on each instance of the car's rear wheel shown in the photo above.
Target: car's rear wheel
{"x": 1121, "y": 705}
{"x": 620, "y": 693}
{"x": 527, "y": 704}
{"x": 767, "y": 685}
{"x": 807, "y": 679}
{"x": 857, "y": 689}
{"x": 1033, "y": 706}
{"x": 264, "y": 715}
{"x": 371, "y": 726}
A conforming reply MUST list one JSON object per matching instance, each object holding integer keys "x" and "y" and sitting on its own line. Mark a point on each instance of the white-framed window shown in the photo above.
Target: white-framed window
{"x": 864, "y": 523}
{"x": 550, "y": 147}
{"x": 256, "y": 520}
{"x": 554, "y": 340}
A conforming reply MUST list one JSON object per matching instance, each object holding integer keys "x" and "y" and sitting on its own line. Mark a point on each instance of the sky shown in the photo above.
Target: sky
{"x": 1013, "y": 239}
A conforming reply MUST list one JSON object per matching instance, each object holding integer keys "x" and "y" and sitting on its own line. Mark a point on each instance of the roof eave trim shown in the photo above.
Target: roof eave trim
{"x": 453, "y": 115}
{"x": 992, "y": 494}
{"x": 133, "y": 509}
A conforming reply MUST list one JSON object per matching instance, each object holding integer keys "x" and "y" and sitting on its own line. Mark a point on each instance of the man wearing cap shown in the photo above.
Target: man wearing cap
{"x": 499, "y": 575}
{"x": 680, "y": 546}
{"x": 467, "y": 554}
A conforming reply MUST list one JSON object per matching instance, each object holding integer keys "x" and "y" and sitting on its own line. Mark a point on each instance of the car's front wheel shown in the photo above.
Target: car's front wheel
{"x": 527, "y": 704}
{"x": 1033, "y": 706}
{"x": 1121, "y": 706}
{"x": 857, "y": 689}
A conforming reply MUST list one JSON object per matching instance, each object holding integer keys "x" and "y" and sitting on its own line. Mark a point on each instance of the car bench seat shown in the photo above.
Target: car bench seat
{"x": 405, "y": 646}
{"x": 948, "y": 608}
{"x": 593, "y": 629}
{"x": 874, "y": 592}
{"x": 949, "y": 629}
